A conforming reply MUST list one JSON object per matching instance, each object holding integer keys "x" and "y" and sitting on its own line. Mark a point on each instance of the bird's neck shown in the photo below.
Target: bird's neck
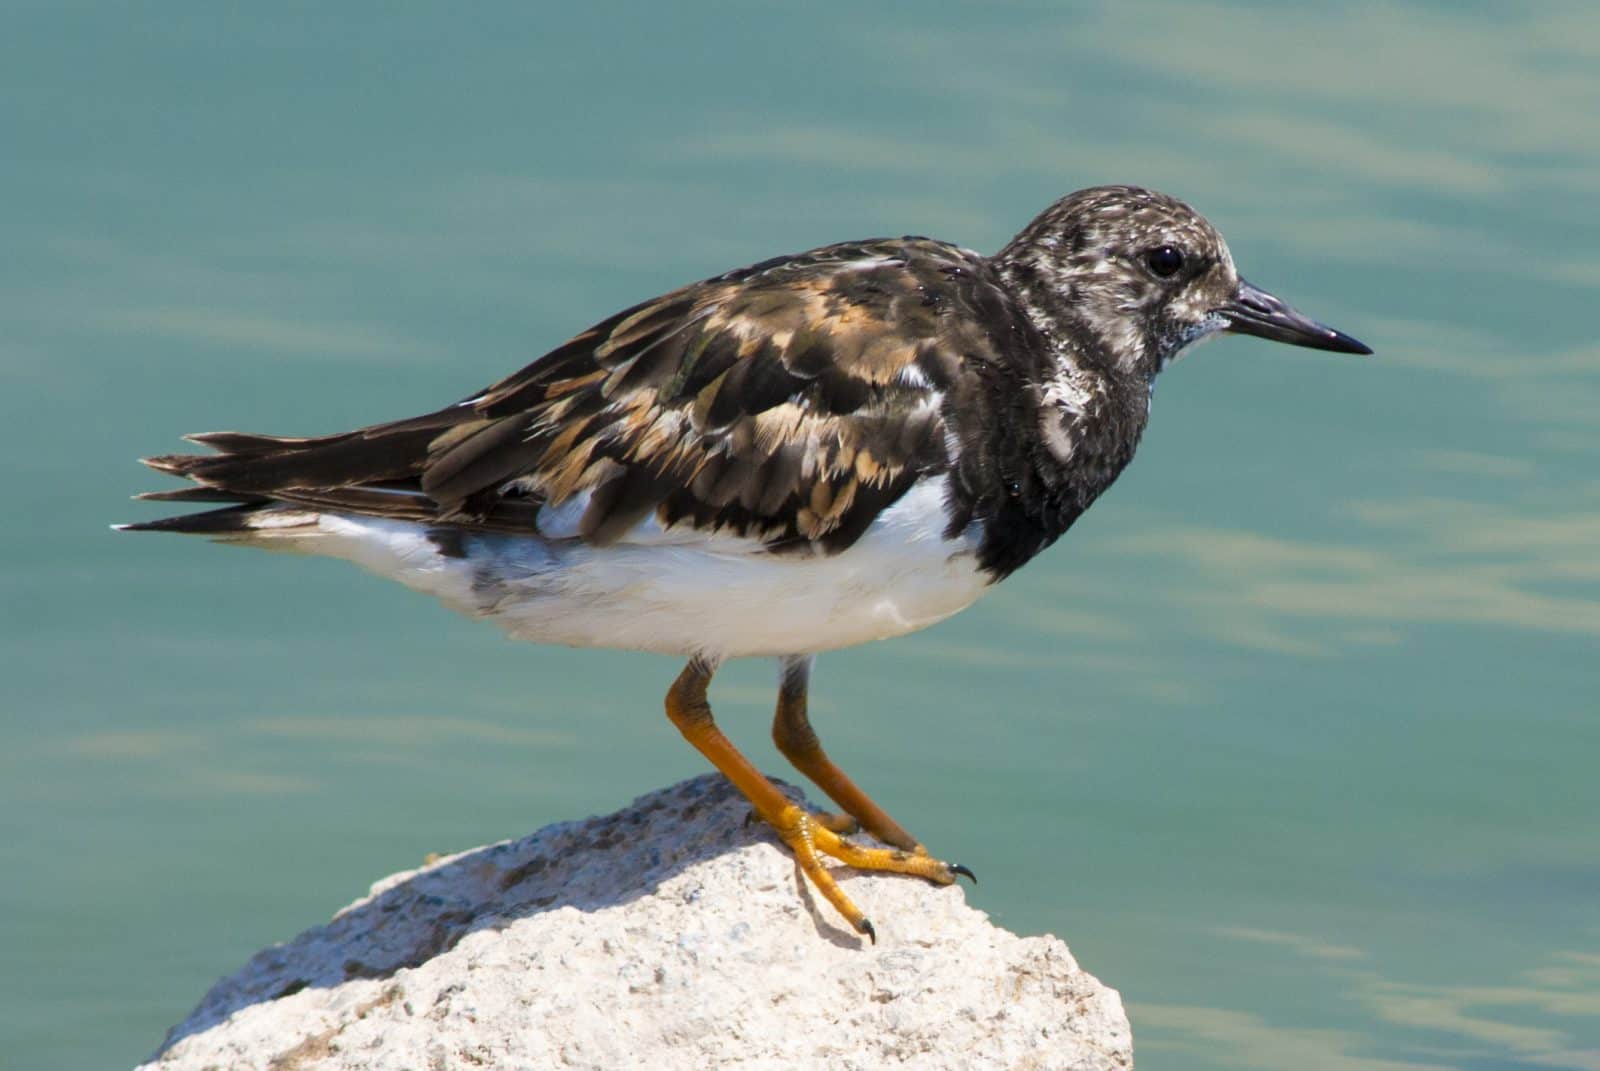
{"x": 1093, "y": 389}
{"x": 1079, "y": 319}
{"x": 1090, "y": 421}
{"x": 1059, "y": 442}
{"x": 1037, "y": 453}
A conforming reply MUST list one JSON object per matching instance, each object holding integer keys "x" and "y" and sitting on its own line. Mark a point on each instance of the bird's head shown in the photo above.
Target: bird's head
{"x": 1143, "y": 275}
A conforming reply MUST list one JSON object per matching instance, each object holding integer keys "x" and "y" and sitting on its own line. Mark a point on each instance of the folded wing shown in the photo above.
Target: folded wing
{"x": 789, "y": 402}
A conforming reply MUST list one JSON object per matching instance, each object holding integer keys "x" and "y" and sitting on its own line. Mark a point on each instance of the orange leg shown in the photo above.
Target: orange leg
{"x": 792, "y": 732}
{"x": 808, "y": 838}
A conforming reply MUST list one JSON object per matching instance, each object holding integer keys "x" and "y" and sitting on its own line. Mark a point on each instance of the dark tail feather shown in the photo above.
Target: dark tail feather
{"x": 261, "y": 468}
{"x": 243, "y": 442}
{"x": 212, "y": 522}
{"x": 373, "y": 470}
{"x": 200, "y": 494}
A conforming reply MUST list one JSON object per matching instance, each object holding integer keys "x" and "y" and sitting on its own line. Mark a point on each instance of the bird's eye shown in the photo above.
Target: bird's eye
{"x": 1164, "y": 260}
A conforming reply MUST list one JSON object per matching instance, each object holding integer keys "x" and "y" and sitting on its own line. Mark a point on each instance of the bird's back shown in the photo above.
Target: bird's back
{"x": 788, "y": 402}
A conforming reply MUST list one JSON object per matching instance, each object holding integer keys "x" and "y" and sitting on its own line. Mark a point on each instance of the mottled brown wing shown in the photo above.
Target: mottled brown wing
{"x": 788, "y": 402}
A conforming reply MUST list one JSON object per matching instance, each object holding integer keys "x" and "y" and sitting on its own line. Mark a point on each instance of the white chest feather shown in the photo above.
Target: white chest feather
{"x": 678, "y": 591}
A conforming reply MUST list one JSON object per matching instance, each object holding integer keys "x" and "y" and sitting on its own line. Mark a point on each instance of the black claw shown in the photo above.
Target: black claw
{"x": 865, "y": 926}
{"x": 962, "y": 872}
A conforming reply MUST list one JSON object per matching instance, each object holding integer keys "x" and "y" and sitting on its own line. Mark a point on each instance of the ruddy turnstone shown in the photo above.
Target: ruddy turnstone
{"x": 815, "y": 451}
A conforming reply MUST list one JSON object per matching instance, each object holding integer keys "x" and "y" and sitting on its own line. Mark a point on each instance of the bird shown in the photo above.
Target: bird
{"x": 809, "y": 453}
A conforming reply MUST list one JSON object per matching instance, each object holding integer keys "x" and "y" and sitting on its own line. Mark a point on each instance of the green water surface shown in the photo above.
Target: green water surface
{"x": 1293, "y": 738}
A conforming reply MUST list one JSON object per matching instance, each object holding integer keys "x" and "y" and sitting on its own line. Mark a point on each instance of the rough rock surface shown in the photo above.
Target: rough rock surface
{"x": 672, "y": 934}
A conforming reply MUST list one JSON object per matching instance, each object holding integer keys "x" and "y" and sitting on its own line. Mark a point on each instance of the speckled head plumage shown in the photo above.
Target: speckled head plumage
{"x": 1129, "y": 277}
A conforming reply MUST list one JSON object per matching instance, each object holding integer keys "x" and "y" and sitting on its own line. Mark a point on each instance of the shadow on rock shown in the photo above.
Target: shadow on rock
{"x": 411, "y": 917}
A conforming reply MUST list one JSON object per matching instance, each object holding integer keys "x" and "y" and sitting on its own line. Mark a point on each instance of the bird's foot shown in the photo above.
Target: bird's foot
{"x": 835, "y": 822}
{"x": 810, "y": 837}
{"x": 829, "y": 820}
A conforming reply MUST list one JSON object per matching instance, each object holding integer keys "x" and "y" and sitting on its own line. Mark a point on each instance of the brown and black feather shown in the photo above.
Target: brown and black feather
{"x": 789, "y": 402}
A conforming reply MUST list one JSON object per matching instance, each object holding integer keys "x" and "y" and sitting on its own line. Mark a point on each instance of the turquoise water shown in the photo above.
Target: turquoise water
{"x": 1293, "y": 738}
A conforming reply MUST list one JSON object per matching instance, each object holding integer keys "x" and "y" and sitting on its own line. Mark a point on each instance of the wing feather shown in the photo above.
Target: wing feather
{"x": 790, "y": 402}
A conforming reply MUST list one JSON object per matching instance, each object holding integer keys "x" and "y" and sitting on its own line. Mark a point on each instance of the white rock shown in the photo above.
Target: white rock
{"x": 669, "y": 935}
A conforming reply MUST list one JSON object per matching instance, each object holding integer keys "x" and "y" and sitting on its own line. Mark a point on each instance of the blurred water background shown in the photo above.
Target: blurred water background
{"x": 1293, "y": 738}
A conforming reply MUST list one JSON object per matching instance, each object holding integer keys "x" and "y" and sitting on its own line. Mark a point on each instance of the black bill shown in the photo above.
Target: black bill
{"x": 1253, "y": 311}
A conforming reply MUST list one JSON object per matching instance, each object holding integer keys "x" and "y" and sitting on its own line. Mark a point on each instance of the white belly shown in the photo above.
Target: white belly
{"x": 679, "y": 592}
